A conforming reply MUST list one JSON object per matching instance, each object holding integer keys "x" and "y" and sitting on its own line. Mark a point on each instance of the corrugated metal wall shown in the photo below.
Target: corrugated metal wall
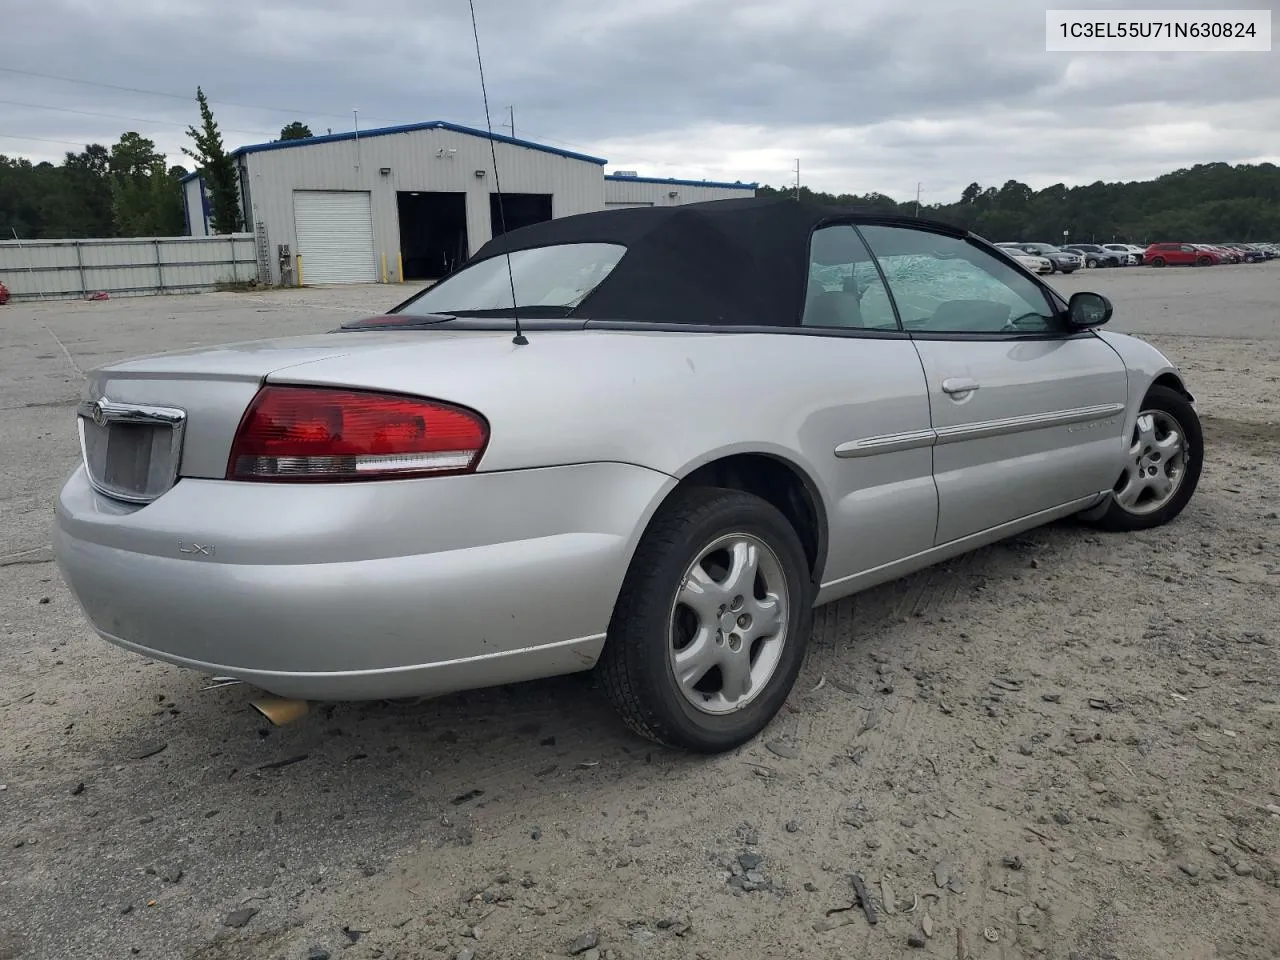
{"x": 637, "y": 191}
{"x": 195, "y": 205}
{"x": 419, "y": 160}
{"x": 61, "y": 269}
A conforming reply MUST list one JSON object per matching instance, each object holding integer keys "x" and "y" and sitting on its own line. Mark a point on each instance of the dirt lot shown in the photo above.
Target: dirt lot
{"x": 1061, "y": 746}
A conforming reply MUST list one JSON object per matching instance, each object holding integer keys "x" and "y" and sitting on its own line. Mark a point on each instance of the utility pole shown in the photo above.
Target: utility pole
{"x": 797, "y": 178}
{"x": 917, "y": 200}
{"x": 511, "y": 112}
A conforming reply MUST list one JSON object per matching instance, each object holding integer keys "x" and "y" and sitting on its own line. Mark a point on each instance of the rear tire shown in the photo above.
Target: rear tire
{"x": 740, "y": 655}
{"x": 1161, "y": 475}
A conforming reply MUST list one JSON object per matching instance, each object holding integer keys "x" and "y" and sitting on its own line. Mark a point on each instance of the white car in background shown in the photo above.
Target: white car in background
{"x": 1132, "y": 255}
{"x": 1029, "y": 260}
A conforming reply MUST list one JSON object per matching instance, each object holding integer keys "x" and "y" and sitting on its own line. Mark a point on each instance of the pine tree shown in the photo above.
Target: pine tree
{"x": 218, "y": 169}
{"x": 297, "y": 130}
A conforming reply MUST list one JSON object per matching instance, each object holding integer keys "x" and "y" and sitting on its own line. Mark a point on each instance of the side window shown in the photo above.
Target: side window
{"x": 845, "y": 289}
{"x": 945, "y": 285}
{"x": 1188, "y": 248}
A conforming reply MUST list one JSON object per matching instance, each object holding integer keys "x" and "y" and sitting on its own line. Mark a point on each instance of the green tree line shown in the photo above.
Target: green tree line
{"x": 1206, "y": 203}
{"x": 129, "y": 190}
{"x": 126, "y": 190}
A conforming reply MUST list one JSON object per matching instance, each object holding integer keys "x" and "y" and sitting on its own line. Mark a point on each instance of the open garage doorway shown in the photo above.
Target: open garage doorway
{"x": 433, "y": 233}
{"x": 519, "y": 210}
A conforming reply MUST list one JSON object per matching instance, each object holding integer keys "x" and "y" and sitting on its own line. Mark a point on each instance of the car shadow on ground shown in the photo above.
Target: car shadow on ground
{"x": 176, "y": 779}
{"x": 466, "y": 750}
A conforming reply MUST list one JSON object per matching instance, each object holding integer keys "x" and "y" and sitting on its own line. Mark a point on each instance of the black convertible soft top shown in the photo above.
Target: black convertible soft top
{"x": 738, "y": 262}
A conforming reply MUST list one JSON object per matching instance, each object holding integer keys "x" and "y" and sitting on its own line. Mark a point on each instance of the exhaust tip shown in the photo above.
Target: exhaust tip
{"x": 280, "y": 710}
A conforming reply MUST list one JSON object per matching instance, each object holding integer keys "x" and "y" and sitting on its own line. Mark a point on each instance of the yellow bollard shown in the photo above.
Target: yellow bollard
{"x": 384, "y": 268}
{"x": 400, "y": 265}
{"x": 299, "y": 269}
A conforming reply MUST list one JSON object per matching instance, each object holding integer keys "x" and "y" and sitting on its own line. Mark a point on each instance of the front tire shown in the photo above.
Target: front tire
{"x": 1158, "y": 262}
{"x": 712, "y": 622}
{"x": 1165, "y": 456}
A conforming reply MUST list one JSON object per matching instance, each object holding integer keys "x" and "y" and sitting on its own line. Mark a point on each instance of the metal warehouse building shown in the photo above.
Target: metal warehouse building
{"x": 626, "y": 189}
{"x": 411, "y": 202}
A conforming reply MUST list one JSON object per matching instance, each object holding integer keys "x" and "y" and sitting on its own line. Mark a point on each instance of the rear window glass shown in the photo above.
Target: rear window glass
{"x": 558, "y": 276}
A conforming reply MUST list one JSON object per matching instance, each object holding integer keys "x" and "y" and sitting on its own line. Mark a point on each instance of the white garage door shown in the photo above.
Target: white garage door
{"x": 335, "y": 236}
{"x": 617, "y": 204}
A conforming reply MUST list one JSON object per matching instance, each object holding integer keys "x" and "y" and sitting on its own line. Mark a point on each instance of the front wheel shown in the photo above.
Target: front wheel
{"x": 1158, "y": 262}
{"x": 711, "y": 625}
{"x": 1091, "y": 263}
{"x": 1205, "y": 261}
{"x": 1162, "y": 467}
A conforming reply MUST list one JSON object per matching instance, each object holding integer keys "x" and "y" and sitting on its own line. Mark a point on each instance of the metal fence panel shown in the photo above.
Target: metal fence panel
{"x": 137, "y": 266}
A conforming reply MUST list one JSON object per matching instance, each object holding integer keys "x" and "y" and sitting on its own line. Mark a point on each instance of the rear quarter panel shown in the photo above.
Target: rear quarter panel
{"x": 662, "y": 400}
{"x": 674, "y": 401}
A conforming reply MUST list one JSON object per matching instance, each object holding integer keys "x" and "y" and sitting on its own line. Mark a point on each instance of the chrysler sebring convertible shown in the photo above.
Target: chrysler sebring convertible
{"x": 644, "y": 442}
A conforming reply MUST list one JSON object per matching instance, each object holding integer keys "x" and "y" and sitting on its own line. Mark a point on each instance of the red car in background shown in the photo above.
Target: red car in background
{"x": 1180, "y": 254}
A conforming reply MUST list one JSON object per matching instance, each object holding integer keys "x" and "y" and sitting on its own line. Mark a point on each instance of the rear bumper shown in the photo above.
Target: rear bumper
{"x": 362, "y": 591}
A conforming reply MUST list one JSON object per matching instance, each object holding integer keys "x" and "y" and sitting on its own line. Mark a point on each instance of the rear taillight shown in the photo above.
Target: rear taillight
{"x": 324, "y": 434}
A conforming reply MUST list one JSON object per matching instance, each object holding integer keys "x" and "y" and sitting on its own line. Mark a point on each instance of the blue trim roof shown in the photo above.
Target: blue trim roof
{"x": 411, "y": 128}
{"x": 737, "y": 185}
{"x": 189, "y": 177}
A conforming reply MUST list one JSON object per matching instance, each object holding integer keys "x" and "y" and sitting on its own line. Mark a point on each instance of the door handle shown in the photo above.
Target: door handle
{"x": 954, "y": 385}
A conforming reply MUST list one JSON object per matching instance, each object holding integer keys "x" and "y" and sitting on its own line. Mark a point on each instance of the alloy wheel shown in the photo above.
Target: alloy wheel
{"x": 728, "y": 624}
{"x": 1157, "y": 464}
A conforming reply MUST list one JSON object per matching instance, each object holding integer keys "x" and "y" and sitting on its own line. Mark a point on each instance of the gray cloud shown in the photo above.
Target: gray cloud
{"x": 874, "y": 95}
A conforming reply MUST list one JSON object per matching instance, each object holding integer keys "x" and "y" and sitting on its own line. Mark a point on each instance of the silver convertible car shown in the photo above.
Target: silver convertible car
{"x": 646, "y": 442}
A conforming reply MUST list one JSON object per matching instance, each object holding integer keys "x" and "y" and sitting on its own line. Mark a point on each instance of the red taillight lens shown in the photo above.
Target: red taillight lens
{"x": 321, "y": 433}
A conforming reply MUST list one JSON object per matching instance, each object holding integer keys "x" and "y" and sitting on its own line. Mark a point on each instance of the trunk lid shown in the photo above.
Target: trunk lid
{"x": 146, "y": 422}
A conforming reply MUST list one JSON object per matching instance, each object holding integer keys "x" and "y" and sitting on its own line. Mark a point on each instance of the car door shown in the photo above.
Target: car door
{"x": 871, "y": 434}
{"x": 1028, "y": 413}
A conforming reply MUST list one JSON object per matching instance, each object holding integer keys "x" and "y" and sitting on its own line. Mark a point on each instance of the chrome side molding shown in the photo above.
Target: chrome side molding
{"x": 914, "y": 439}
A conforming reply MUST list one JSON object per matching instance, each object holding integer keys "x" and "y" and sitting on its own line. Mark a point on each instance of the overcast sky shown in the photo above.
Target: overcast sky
{"x": 868, "y": 94}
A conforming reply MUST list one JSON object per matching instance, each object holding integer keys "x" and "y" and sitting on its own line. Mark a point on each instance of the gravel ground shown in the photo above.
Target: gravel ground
{"x": 1066, "y": 745}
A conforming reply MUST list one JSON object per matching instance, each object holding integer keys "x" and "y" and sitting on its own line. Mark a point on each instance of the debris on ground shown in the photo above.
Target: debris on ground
{"x": 781, "y": 748}
{"x": 864, "y": 899}
{"x": 241, "y": 917}
{"x": 585, "y": 942}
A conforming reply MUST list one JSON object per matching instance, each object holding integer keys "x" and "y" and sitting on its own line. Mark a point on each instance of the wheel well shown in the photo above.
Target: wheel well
{"x": 779, "y": 483}
{"x": 1173, "y": 382}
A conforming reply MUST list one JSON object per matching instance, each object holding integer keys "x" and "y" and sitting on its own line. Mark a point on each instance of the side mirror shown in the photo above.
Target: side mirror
{"x": 1086, "y": 310}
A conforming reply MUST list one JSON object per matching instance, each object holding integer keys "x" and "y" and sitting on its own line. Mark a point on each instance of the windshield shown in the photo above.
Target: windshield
{"x": 551, "y": 279}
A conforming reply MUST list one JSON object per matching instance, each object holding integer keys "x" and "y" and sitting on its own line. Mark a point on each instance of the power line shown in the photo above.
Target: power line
{"x": 229, "y": 103}
{"x": 534, "y": 137}
{"x": 179, "y": 96}
{"x": 70, "y": 143}
{"x": 116, "y": 116}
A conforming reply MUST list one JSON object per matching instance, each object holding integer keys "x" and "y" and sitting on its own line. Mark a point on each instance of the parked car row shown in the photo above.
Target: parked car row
{"x": 1043, "y": 257}
{"x": 1209, "y": 254}
{"x": 1048, "y": 258}
{"x": 1068, "y": 259}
